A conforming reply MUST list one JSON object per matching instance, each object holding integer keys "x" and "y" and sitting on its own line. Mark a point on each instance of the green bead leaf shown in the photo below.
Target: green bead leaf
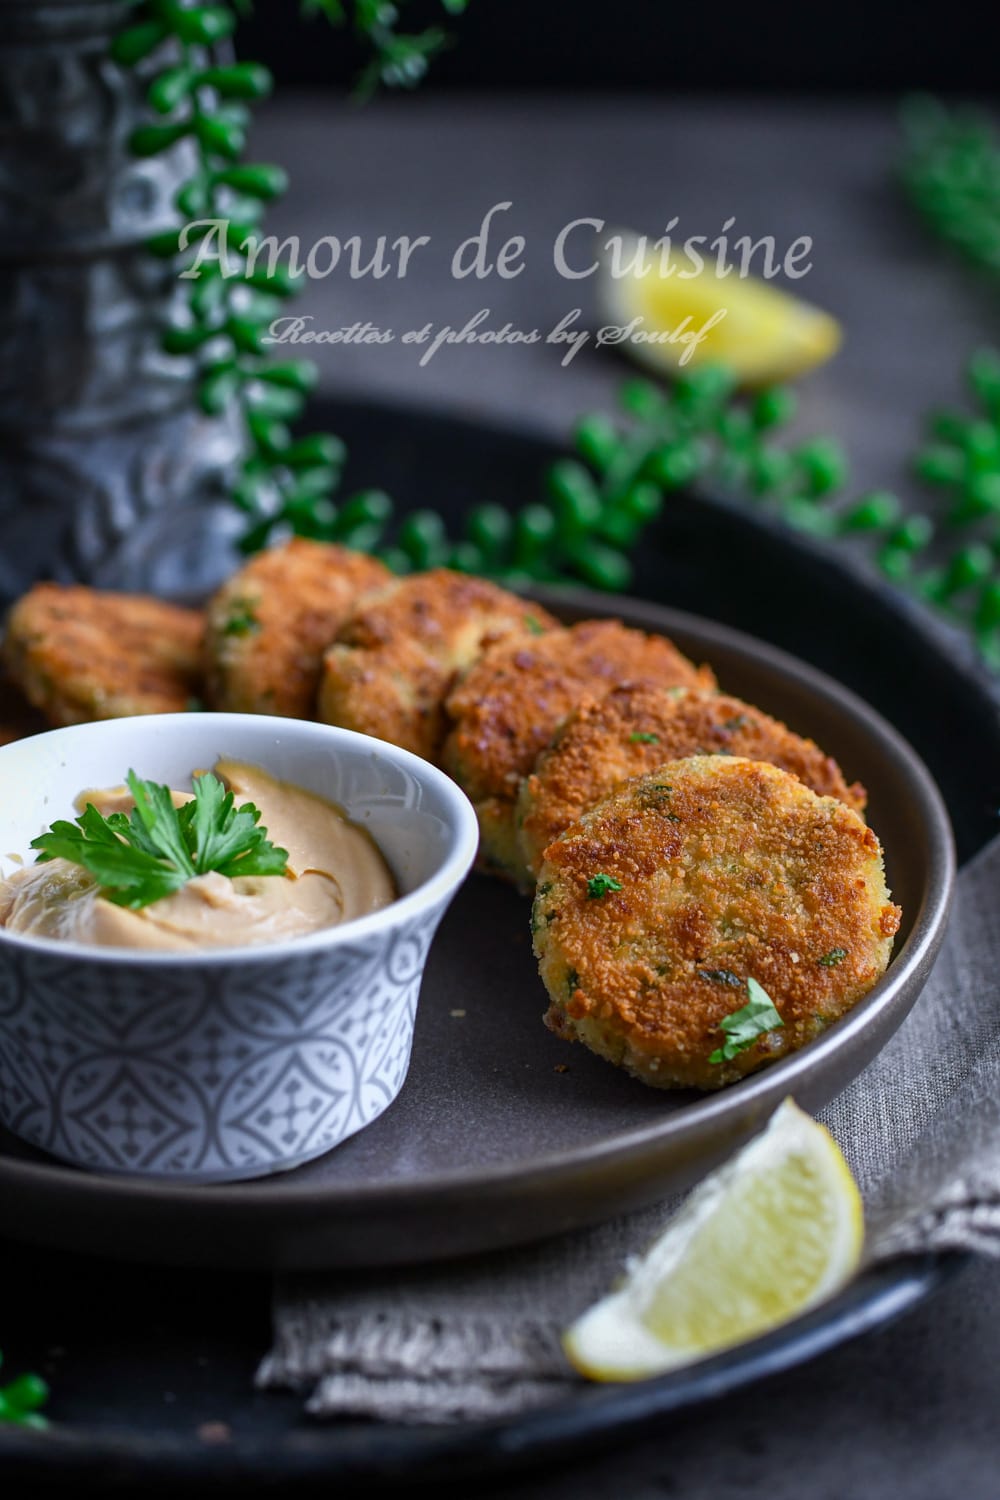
{"x": 136, "y": 42}
{"x": 206, "y": 25}
{"x": 246, "y": 335}
{"x": 280, "y": 282}
{"x": 317, "y": 482}
{"x": 674, "y": 465}
{"x": 333, "y": 10}
{"x": 574, "y": 493}
{"x": 489, "y": 528}
{"x": 367, "y": 508}
{"x": 244, "y": 80}
{"x": 773, "y": 408}
{"x": 602, "y": 567}
{"x": 317, "y": 448}
{"x": 182, "y": 340}
{"x": 218, "y": 388}
{"x": 220, "y": 137}
{"x": 171, "y": 88}
{"x": 164, "y": 246}
{"x": 296, "y": 374}
{"x": 257, "y": 180}
{"x": 823, "y": 465}
{"x": 271, "y": 437}
{"x": 640, "y": 398}
{"x": 874, "y": 512}
{"x": 207, "y": 297}
{"x": 150, "y": 140}
{"x": 423, "y": 538}
{"x": 191, "y": 199}
{"x": 597, "y": 441}
{"x": 277, "y": 401}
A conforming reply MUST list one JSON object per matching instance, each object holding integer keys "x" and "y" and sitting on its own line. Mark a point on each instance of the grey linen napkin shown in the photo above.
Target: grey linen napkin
{"x": 480, "y": 1338}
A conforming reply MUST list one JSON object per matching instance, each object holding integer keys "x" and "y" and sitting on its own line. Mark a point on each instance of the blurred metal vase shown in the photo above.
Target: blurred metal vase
{"x": 108, "y": 471}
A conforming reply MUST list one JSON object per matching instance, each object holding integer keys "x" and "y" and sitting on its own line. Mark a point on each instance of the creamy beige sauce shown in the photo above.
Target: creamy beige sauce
{"x": 335, "y": 874}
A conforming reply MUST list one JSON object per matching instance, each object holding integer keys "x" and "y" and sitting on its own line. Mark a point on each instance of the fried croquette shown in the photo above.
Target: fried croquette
{"x": 269, "y": 625}
{"x": 79, "y": 654}
{"x": 655, "y": 909}
{"x": 395, "y": 661}
{"x": 507, "y": 707}
{"x": 632, "y": 730}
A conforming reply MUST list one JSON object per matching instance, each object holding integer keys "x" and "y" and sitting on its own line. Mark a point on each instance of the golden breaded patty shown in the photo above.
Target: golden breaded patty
{"x": 632, "y": 730}
{"x": 394, "y": 662}
{"x": 79, "y": 654}
{"x": 656, "y": 908}
{"x": 269, "y": 625}
{"x": 507, "y": 707}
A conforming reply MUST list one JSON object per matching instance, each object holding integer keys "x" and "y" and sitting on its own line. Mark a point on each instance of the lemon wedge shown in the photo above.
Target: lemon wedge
{"x": 764, "y": 334}
{"x": 774, "y": 1231}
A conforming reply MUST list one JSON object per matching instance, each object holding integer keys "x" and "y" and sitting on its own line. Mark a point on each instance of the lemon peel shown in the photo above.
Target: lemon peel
{"x": 689, "y": 316}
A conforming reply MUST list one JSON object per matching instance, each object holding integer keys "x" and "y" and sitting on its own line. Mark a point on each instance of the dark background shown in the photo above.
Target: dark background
{"x": 656, "y": 45}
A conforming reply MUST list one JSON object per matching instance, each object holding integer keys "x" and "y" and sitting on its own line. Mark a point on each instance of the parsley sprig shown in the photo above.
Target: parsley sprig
{"x": 140, "y": 857}
{"x": 744, "y": 1026}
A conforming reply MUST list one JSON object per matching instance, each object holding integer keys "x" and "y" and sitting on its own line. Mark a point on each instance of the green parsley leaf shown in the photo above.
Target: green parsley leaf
{"x": 242, "y": 620}
{"x": 600, "y": 885}
{"x": 744, "y": 1026}
{"x": 637, "y": 738}
{"x": 833, "y": 958}
{"x": 533, "y": 625}
{"x": 158, "y": 848}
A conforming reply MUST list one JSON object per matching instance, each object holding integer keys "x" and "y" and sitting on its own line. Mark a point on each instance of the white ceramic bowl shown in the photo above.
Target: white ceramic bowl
{"x": 226, "y": 1063}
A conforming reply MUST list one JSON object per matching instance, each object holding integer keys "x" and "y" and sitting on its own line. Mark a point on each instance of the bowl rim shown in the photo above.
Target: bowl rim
{"x": 441, "y": 885}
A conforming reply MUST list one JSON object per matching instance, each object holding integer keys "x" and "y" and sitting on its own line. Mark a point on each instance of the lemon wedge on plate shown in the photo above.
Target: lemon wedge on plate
{"x": 764, "y": 333}
{"x": 773, "y": 1232}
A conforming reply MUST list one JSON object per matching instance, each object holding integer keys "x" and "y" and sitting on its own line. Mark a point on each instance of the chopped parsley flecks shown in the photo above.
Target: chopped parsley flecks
{"x": 637, "y": 737}
{"x": 833, "y": 958}
{"x": 721, "y": 976}
{"x": 600, "y": 885}
{"x": 656, "y": 797}
{"x": 744, "y": 1026}
{"x": 242, "y": 620}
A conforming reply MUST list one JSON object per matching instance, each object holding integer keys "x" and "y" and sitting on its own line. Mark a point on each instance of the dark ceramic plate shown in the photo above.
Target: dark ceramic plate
{"x": 464, "y": 1161}
{"x": 116, "y": 1338}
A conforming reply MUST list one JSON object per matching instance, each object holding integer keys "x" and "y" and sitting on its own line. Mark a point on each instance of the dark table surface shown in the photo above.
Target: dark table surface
{"x": 910, "y": 1411}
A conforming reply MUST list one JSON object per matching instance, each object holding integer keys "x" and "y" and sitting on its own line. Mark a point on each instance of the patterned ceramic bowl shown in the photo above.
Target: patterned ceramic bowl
{"x": 226, "y": 1063}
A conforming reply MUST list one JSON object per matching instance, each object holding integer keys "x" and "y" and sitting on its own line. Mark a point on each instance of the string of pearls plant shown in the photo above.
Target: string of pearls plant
{"x": 593, "y": 507}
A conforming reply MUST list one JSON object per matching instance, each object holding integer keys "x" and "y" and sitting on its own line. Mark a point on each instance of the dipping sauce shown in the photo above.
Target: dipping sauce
{"x": 335, "y": 874}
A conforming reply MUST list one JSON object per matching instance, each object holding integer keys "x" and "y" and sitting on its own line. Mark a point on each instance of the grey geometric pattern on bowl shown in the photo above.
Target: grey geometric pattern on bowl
{"x": 224, "y": 1079}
